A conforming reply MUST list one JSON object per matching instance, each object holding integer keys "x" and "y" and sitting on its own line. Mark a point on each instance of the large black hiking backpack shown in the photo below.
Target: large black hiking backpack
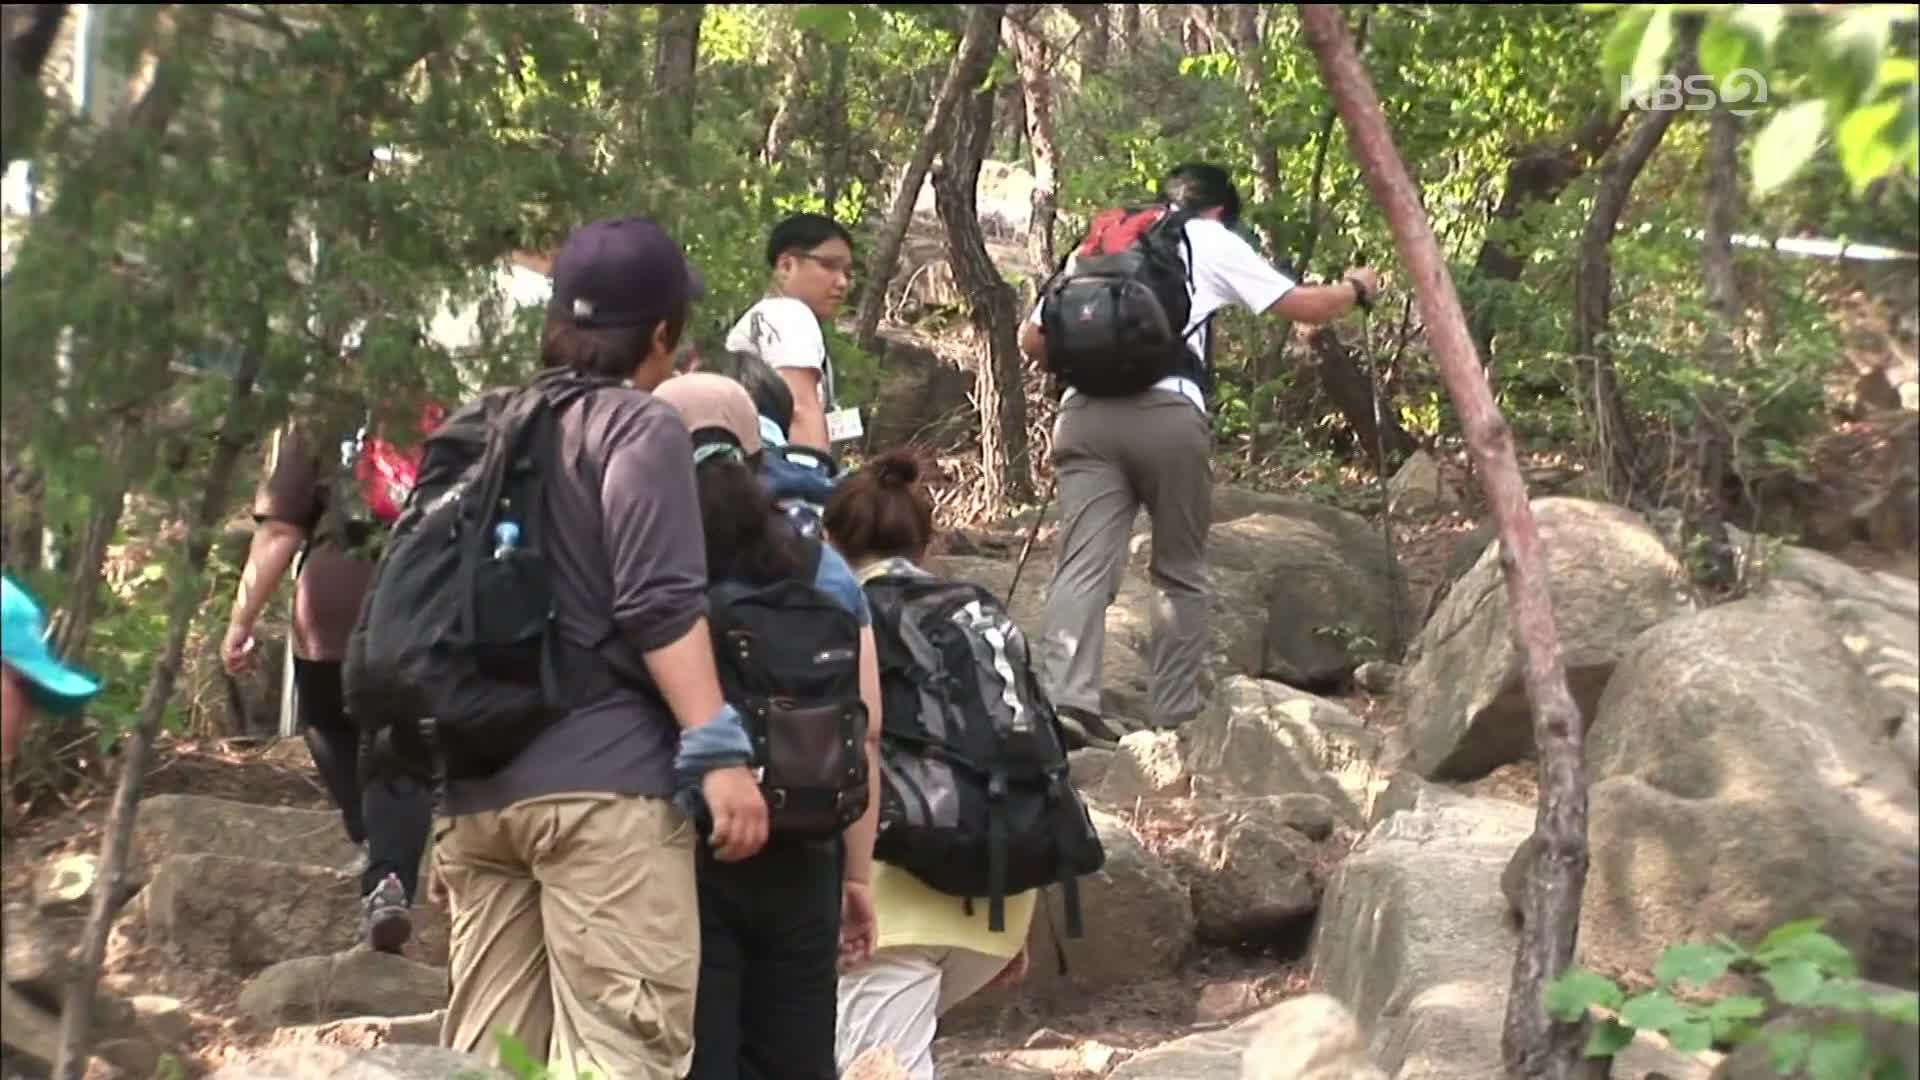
{"x": 1116, "y": 313}
{"x": 975, "y": 797}
{"x": 788, "y": 655}
{"x": 458, "y": 627}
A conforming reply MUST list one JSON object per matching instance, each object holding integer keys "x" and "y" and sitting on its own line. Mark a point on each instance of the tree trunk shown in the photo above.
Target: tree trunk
{"x": 110, "y": 160}
{"x": 1713, "y": 437}
{"x": 1593, "y": 287}
{"x": 998, "y": 389}
{"x": 1267, "y": 363}
{"x": 670, "y": 113}
{"x": 774, "y": 147}
{"x": 24, "y": 528}
{"x": 837, "y": 135}
{"x": 1534, "y": 1044}
{"x": 1096, "y": 35}
{"x": 1347, "y": 383}
{"x": 1030, "y": 49}
{"x": 978, "y": 43}
{"x": 1245, "y": 37}
{"x": 77, "y": 1013}
{"x": 30, "y": 31}
{"x": 1537, "y": 175}
{"x": 1130, "y": 30}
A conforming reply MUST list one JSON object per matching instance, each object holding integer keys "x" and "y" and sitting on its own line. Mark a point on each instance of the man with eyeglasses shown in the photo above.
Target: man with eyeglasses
{"x": 811, "y": 257}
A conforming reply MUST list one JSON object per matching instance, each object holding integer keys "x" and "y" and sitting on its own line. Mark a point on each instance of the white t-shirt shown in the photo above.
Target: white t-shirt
{"x": 785, "y": 333}
{"x": 1226, "y": 270}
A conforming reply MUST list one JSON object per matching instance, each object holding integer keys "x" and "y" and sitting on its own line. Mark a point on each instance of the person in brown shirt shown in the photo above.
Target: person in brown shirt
{"x": 385, "y": 806}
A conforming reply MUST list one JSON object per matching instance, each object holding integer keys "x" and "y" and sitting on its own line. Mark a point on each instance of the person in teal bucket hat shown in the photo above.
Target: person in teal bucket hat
{"x": 32, "y": 677}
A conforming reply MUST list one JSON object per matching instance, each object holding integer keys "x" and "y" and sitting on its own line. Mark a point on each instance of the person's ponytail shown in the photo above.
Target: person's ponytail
{"x": 882, "y": 511}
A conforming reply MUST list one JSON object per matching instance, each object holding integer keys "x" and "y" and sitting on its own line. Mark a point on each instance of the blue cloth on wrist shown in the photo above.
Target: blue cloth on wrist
{"x": 717, "y": 744}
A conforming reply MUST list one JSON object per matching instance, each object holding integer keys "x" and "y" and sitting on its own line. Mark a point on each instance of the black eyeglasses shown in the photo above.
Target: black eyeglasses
{"x": 833, "y": 266}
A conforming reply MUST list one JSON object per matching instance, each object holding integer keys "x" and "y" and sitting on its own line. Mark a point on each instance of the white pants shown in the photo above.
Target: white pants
{"x": 897, "y": 998}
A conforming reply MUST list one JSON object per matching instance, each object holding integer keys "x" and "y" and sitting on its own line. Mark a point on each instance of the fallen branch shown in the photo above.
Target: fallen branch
{"x": 1533, "y": 1044}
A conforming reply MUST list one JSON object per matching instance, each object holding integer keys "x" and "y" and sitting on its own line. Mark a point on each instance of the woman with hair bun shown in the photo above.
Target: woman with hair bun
{"x": 932, "y": 950}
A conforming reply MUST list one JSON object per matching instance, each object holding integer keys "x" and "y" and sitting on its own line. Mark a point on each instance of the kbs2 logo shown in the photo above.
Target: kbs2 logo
{"x": 1742, "y": 89}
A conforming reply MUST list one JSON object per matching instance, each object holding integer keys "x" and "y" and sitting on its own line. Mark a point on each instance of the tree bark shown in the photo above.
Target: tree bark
{"x": 774, "y": 146}
{"x": 1713, "y": 439}
{"x": 1536, "y": 175}
{"x": 1096, "y": 35}
{"x": 837, "y": 136}
{"x": 998, "y": 389}
{"x": 107, "y": 164}
{"x": 1534, "y": 1044}
{"x": 1344, "y": 381}
{"x": 77, "y": 1013}
{"x": 670, "y": 119}
{"x": 30, "y": 30}
{"x": 1593, "y": 286}
{"x": 1245, "y": 37}
{"x": 1031, "y": 52}
{"x": 978, "y": 43}
{"x": 1131, "y": 29}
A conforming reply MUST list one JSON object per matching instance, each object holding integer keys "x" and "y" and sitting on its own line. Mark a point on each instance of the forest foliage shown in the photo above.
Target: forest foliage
{"x": 263, "y": 209}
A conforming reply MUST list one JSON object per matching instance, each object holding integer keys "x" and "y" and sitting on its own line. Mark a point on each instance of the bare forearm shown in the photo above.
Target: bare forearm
{"x": 809, "y": 427}
{"x": 685, "y": 674}
{"x": 275, "y": 543}
{"x": 1315, "y": 303}
{"x": 861, "y": 834}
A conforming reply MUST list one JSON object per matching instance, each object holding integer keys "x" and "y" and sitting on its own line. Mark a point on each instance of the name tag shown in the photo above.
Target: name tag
{"x": 844, "y": 424}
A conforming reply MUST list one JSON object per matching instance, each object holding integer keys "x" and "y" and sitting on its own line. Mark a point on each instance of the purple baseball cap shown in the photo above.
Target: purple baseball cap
{"x": 623, "y": 271}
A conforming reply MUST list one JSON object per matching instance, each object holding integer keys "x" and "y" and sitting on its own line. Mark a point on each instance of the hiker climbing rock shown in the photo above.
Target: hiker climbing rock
{"x": 323, "y": 509}
{"x": 1127, "y": 327}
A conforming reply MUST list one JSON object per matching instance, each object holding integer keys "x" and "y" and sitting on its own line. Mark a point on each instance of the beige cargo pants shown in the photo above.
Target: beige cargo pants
{"x": 1111, "y": 456}
{"x": 576, "y": 929}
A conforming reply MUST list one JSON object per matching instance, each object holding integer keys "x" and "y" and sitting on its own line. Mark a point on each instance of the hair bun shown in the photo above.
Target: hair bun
{"x": 896, "y": 470}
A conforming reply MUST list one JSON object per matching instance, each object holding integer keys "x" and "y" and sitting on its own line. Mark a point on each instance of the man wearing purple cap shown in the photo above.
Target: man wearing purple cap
{"x": 570, "y": 872}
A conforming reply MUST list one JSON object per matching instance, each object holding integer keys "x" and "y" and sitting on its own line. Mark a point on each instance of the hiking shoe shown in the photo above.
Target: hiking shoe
{"x": 1084, "y": 729}
{"x": 385, "y": 922}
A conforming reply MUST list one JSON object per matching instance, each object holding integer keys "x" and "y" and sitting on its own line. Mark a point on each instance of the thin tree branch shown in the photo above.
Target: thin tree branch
{"x": 1534, "y": 1044}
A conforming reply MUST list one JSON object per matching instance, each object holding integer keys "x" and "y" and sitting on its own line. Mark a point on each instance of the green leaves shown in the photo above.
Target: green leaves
{"x": 1785, "y": 145}
{"x": 1695, "y": 963}
{"x": 1803, "y": 941}
{"x": 1636, "y": 49}
{"x": 1859, "y": 82}
{"x": 1569, "y": 996}
{"x": 1802, "y": 965}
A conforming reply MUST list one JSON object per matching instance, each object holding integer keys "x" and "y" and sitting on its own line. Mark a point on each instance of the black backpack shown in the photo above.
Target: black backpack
{"x": 457, "y": 629}
{"x": 1116, "y": 313}
{"x": 788, "y": 655}
{"x": 975, "y": 797}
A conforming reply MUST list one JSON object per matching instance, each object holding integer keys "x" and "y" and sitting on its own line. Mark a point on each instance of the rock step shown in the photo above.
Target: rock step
{"x": 198, "y": 825}
{"x": 243, "y": 916}
{"x": 396, "y": 1062}
{"x": 360, "y": 983}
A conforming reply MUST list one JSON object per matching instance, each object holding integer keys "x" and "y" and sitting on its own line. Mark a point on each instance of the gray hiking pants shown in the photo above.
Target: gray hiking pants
{"x": 1111, "y": 456}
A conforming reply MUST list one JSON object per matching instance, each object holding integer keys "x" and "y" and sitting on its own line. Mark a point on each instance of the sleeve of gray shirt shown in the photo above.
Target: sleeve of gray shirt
{"x": 650, "y": 510}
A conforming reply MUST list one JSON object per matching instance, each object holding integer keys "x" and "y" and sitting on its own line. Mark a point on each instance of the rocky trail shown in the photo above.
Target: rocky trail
{"x": 1310, "y": 881}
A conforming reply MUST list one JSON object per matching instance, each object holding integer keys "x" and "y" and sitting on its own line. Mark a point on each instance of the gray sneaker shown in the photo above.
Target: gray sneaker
{"x": 385, "y": 921}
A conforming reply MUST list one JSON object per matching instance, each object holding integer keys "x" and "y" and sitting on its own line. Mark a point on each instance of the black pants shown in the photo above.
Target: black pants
{"x": 382, "y": 804}
{"x": 769, "y": 938}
